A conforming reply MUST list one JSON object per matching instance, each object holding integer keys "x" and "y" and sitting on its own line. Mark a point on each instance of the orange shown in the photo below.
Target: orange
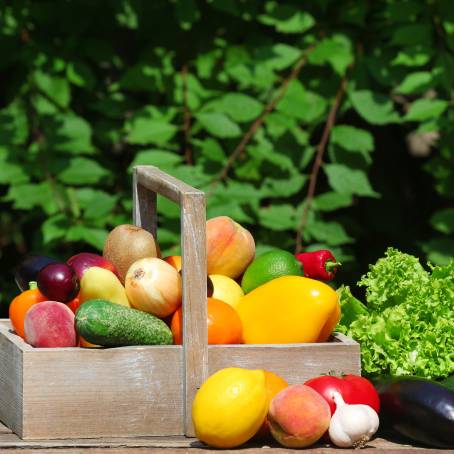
{"x": 21, "y": 304}
{"x": 174, "y": 260}
{"x": 224, "y": 324}
{"x": 274, "y": 383}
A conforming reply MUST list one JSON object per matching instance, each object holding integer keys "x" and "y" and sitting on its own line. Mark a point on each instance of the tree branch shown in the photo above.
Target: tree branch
{"x": 321, "y": 147}
{"x": 186, "y": 117}
{"x": 259, "y": 121}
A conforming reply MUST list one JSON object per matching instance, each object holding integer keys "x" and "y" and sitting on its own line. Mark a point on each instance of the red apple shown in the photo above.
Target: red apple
{"x": 84, "y": 260}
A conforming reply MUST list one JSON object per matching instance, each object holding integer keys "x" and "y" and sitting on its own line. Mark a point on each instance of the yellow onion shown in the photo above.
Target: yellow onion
{"x": 153, "y": 286}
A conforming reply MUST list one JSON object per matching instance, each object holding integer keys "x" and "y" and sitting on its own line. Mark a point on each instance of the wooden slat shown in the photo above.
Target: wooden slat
{"x": 11, "y": 396}
{"x": 144, "y": 206}
{"x": 195, "y": 337}
{"x": 193, "y": 246}
{"x": 296, "y": 362}
{"x": 160, "y": 182}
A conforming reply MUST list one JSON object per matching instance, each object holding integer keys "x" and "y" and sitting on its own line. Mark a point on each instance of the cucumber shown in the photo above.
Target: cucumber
{"x": 112, "y": 325}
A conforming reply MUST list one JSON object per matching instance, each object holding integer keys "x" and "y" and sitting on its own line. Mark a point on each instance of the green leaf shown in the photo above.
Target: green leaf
{"x": 352, "y": 139}
{"x": 127, "y": 16}
{"x": 415, "y": 82}
{"x": 240, "y": 107}
{"x": 55, "y": 228}
{"x": 93, "y": 236}
{"x": 301, "y": 104}
{"x": 163, "y": 159}
{"x": 416, "y": 56}
{"x": 55, "y": 88}
{"x": 443, "y": 221}
{"x": 28, "y": 196}
{"x": 69, "y": 133}
{"x": 373, "y": 107}
{"x": 336, "y": 50}
{"x": 440, "y": 251}
{"x": 187, "y": 13}
{"x": 13, "y": 124}
{"x": 278, "y": 56}
{"x": 82, "y": 171}
{"x": 331, "y": 201}
{"x": 143, "y": 131}
{"x": 283, "y": 187}
{"x": 80, "y": 74}
{"x": 348, "y": 181}
{"x": 212, "y": 150}
{"x": 12, "y": 173}
{"x": 218, "y": 124}
{"x": 278, "y": 217}
{"x": 331, "y": 233}
{"x": 95, "y": 203}
{"x": 425, "y": 109}
{"x": 286, "y": 18}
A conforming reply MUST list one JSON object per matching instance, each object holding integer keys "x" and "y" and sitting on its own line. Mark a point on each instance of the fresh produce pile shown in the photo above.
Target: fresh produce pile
{"x": 260, "y": 403}
{"x": 407, "y": 326}
{"x": 132, "y": 296}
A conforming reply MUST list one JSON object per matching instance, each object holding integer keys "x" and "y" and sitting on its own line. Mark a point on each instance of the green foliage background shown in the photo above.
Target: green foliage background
{"x": 91, "y": 88}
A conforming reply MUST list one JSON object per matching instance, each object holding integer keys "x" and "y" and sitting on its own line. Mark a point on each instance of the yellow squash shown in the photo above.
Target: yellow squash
{"x": 289, "y": 309}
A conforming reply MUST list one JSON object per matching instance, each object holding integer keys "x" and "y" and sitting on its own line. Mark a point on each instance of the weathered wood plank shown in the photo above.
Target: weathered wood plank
{"x": 11, "y": 371}
{"x": 144, "y": 206}
{"x": 195, "y": 337}
{"x": 160, "y": 182}
{"x": 296, "y": 362}
{"x": 99, "y": 393}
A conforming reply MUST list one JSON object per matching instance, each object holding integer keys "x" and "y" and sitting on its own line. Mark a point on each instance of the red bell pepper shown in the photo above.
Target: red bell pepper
{"x": 354, "y": 389}
{"x": 319, "y": 264}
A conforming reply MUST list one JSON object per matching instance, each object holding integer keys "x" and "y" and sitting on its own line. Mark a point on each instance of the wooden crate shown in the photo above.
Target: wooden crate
{"x": 144, "y": 391}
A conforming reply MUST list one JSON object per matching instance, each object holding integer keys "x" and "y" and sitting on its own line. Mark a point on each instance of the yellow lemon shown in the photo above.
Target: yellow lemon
{"x": 230, "y": 407}
{"x": 226, "y": 289}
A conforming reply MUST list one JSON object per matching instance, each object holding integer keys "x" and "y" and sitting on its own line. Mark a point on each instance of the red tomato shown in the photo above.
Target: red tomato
{"x": 353, "y": 389}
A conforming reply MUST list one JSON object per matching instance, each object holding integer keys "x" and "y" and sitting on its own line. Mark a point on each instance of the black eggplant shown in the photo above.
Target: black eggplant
{"x": 419, "y": 409}
{"x": 28, "y": 269}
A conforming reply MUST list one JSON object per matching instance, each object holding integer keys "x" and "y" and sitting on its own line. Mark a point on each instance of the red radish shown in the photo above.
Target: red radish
{"x": 50, "y": 324}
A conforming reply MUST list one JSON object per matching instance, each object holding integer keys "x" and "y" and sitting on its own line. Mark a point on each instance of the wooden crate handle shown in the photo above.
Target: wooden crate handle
{"x": 148, "y": 181}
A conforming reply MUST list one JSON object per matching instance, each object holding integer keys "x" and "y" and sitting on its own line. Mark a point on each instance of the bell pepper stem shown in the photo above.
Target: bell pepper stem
{"x": 32, "y": 285}
{"x": 330, "y": 265}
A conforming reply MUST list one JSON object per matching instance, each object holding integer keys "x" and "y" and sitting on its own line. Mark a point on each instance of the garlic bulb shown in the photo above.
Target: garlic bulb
{"x": 352, "y": 425}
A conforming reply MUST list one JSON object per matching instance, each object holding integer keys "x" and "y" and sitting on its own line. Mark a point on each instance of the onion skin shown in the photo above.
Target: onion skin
{"x": 153, "y": 286}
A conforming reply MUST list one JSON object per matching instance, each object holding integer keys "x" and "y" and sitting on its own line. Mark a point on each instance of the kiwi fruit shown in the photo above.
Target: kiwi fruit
{"x": 126, "y": 244}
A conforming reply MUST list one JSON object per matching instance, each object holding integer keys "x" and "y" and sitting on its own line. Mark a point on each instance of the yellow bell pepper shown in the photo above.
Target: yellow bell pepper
{"x": 289, "y": 309}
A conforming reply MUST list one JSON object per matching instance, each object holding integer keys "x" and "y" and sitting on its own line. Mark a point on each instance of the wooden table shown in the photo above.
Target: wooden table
{"x": 164, "y": 445}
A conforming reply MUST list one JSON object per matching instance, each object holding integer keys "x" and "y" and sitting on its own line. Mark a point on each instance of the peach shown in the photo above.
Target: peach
{"x": 50, "y": 324}
{"x": 230, "y": 247}
{"x": 298, "y": 416}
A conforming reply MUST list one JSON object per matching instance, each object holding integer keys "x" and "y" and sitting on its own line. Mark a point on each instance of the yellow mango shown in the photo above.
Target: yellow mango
{"x": 285, "y": 310}
{"x": 99, "y": 283}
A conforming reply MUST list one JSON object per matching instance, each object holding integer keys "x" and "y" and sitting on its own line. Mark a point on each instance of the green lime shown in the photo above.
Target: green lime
{"x": 268, "y": 266}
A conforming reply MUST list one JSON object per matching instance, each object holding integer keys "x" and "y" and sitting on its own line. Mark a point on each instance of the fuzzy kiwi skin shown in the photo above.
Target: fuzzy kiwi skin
{"x": 126, "y": 244}
{"x": 112, "y": 325}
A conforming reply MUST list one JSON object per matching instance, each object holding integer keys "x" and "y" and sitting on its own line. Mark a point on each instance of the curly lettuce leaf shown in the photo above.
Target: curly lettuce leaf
{"x": 392, "y": 279}
{"x": 409, "y": 326}
{"x": 351, "y": 307}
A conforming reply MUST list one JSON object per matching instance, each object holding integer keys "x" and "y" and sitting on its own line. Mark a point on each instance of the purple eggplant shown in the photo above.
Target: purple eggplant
{"x": 419, "y": 409}
{"x": 58, "y": 282}
{"x": 28, "y": 269}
